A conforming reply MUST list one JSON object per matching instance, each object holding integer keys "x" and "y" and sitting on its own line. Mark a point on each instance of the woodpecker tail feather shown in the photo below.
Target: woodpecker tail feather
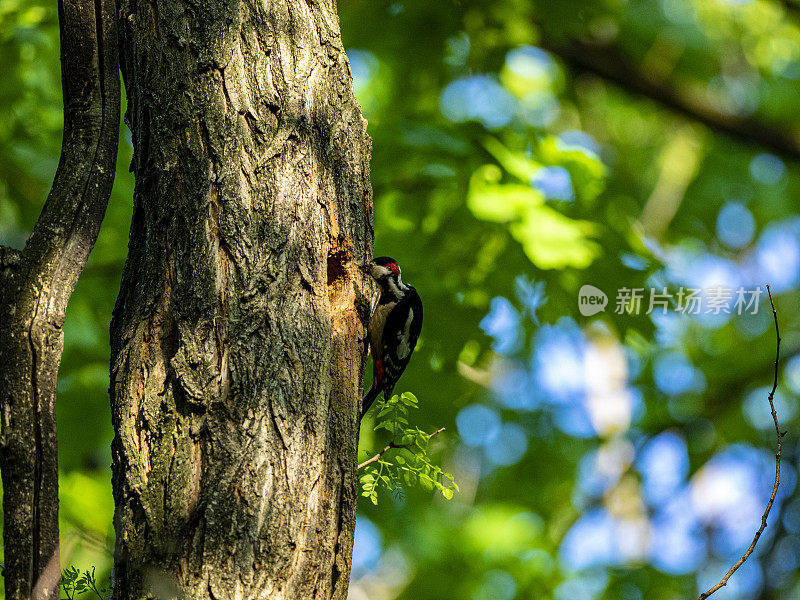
{"x": 369, "y": 399}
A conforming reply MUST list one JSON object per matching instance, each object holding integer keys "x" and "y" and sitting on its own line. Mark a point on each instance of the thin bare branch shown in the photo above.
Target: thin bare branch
{"x": 392, "y": 446}
{"x": 724, "y": 581}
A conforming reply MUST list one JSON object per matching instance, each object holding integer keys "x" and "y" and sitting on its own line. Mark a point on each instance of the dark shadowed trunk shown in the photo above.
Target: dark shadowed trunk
{"x": 236, "y": 358}
{"x": 35, "y": 286}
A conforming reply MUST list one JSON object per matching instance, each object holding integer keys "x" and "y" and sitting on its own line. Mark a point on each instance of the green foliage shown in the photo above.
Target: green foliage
{"x": 406, "y": 460}
{"x": 549, "y": 238}
{"x": 75, "y": 582}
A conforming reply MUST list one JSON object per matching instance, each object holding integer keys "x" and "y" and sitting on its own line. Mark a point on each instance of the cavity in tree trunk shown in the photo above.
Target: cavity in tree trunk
{"x": 236, "y": 353}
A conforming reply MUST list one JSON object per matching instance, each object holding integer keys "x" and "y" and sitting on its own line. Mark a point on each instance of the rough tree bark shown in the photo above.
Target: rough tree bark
{"x": 35, "y": 286}
{"x": 236, "y": 360}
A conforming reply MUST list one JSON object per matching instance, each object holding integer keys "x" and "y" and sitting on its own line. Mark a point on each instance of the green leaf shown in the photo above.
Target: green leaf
{"x": 516, "y": 163}
{"x": 587, "y": 171}
{"x": 409, "y": 398}
{"x": 408, "y": 462}
{"x": 553, "y": 241}
{"x": 492, "y": 201}
{"x": 386, "y": 410}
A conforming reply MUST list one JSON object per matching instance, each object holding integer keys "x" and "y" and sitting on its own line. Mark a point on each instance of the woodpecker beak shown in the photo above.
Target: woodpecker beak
{"x": 376, "y": 271}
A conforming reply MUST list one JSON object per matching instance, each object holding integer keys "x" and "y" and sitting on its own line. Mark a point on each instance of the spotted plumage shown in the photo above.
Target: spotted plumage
{"x": 394, "y": 328}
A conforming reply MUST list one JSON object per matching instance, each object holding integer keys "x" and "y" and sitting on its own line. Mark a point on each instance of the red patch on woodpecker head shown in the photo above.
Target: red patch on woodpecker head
{"x": 387, "y": 263}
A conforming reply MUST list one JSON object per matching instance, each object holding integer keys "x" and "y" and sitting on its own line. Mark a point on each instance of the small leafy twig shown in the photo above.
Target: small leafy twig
{"x": 75, "y": 582}
{"x": 411, "y": 464}
{"x": 391, "y": 446}
{"x": 724, "y": 581}
{"x": 91, "y": 582}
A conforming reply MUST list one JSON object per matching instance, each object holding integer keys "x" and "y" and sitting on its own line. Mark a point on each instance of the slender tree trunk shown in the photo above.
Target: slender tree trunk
{"x": 236, "y": 354}
{"x": 35, "y": 286}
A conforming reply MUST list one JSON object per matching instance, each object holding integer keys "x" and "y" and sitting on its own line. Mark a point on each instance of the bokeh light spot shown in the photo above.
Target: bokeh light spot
{"x": 477, "y": 424}
{"x": 735, "y": 225}
{"x": 767, "y": 168}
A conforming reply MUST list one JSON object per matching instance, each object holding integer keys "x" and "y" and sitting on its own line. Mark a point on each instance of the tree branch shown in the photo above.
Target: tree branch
{"x": 9, "y": 258}
{"x": 9, "y": 263}
{"x": 790, "y": 7}
{"x": 608, "y": 63}
{"x": 37, "y": 287}
{"x": 724, "y": 581}
{"x": 392, "y": 446}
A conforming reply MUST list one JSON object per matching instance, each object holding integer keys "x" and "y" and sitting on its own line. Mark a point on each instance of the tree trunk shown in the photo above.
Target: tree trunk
{"x": 236, "y": 352}
{"x": 35, "y": 286}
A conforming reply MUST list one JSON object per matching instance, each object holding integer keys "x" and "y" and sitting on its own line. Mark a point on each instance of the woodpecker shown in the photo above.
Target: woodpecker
{"x": 393, "y": 328}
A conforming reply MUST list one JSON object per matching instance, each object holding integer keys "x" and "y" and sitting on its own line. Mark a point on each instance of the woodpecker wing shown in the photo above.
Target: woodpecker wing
{"x": 400, "y": 334}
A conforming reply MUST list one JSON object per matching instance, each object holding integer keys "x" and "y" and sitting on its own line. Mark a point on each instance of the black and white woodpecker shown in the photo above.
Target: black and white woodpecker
{"x": 394, "y": 327}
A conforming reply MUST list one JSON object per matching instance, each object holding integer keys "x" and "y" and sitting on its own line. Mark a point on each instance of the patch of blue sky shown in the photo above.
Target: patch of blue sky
{"x": 554, "y": 182}
{"x": 558, "y": 362}
{"x": 508, "y": 445}
{"x": 664, "y": 464}
{"x": 367, "y": 546}
{"x": 674, "y": 374}
{"x": 587, "y": 585}
{"x": 767, "y": 168}
{"x": 755, "y": 407}
{"x": 512, "y": 386}
{"x": 590, "y": 542}
{"x": 791, "y": 374}
{"x": 503, "y": 325}
{"x": 531, "y": 62}
{"x": 777, "y": 255}
{"x": 477, "y": 424}
{"x": 477, "y": 98}
{"x": 364, "y": 66}
{"x": 531, "y": 294}
{"x": 735, "y": 225}
{"x": 575, "y": 139}
{"x": 677, "y": 545}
